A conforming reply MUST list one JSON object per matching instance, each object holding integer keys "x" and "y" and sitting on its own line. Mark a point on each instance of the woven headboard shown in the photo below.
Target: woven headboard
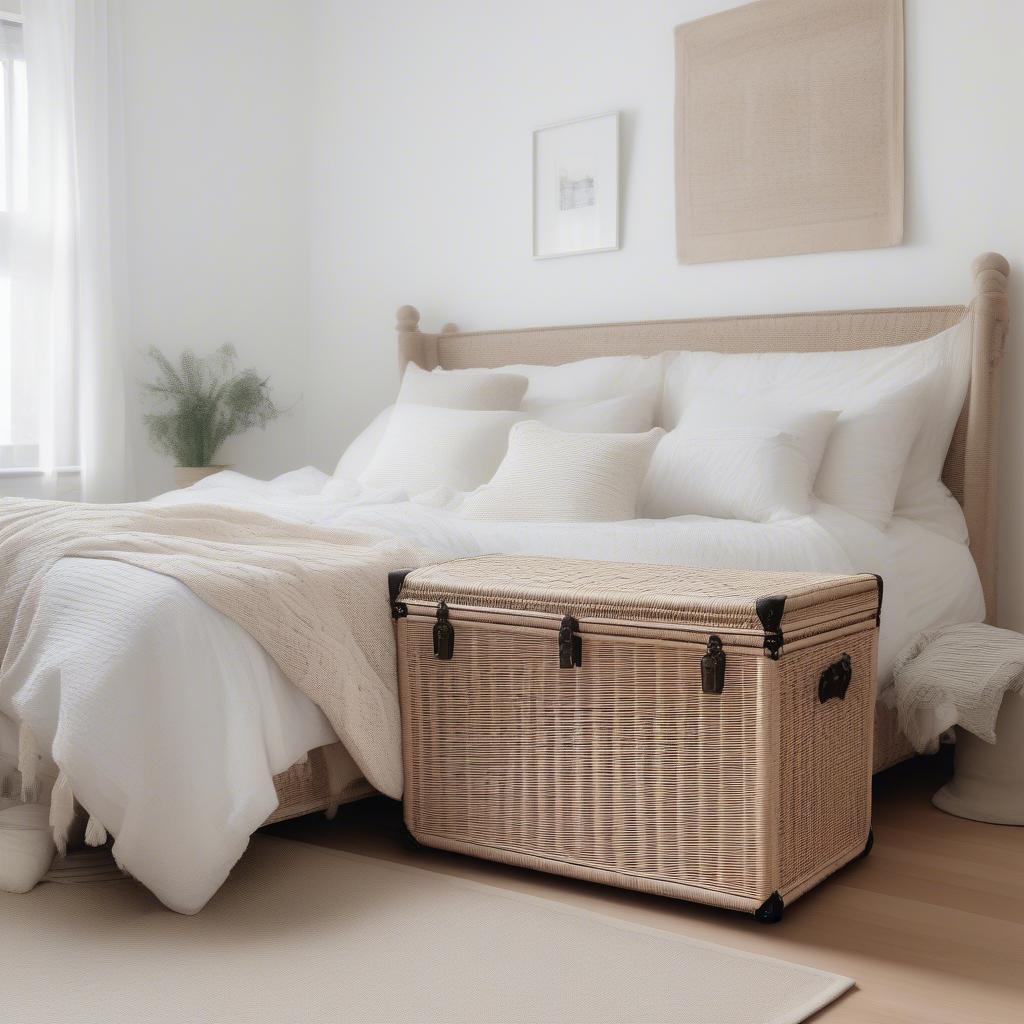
{"x": 970, "y": 470}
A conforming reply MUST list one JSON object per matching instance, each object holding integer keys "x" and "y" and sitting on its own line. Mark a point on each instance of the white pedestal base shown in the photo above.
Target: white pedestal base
{"x": 988, "y": 784}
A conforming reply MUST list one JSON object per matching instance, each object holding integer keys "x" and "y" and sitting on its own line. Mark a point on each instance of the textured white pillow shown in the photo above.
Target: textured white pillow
{"x": 553, "y": 476}
{"x": 839, "y": 380}
{"x": 467, "y": 389}
{"x": 425, "y": 447}
{"x": 737, "y": 459}
{"x": 626, "y": 414}
{"x": 868, "y": 450}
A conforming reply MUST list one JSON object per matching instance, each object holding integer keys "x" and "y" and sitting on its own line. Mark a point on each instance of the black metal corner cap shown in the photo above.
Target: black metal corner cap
{"x": 395, "y": 581}
{"x": 878, "y": 615}
{"x": 769, "y": 611}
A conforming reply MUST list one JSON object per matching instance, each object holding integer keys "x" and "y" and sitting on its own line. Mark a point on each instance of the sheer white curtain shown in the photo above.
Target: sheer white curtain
{"x": 66, "y": 252}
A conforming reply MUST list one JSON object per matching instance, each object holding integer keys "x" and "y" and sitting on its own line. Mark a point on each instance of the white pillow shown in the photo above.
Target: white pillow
{"x": 553, "y": 476}
{"x": 590, "y": 379}
{"x": 753, "y": 474}
{"x": 462, "y": 389}
{"x": 840, "y": 380}
{"x": 467, "y": 389}
{"x": 737, "y": 460}
{"x": 922, "y": 496}
{"x": 868, "y": 450}
{"x": 356, "y": 457}
{"x": 424, "y": 447}
{"x": 809, "y": 428}
{"x": 626, "y": 414}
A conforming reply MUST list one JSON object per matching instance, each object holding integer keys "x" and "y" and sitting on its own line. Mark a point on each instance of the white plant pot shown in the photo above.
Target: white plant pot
{"x": 186, "y": 476}
{"x": 988, "y": 784}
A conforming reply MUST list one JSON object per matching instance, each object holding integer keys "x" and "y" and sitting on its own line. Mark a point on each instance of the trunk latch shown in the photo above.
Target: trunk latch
{"x": 570, "y": 643}
{"x": 770, "y": 611}
{"x": 712, "y": 667}
{"x": 444, "y": 634}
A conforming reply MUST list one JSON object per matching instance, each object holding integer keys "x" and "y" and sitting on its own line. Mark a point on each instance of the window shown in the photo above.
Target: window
{"x": 19, "y": 427}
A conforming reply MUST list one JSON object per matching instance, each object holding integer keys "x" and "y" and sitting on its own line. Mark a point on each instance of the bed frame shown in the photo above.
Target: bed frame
{"x": 970, "y": 468}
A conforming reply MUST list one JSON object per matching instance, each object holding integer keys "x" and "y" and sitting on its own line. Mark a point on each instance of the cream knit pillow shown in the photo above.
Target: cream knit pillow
{"x": 552, "y": 476}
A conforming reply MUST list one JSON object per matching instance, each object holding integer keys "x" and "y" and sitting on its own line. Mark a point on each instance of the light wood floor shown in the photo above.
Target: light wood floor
{"x": 931, "y": 924}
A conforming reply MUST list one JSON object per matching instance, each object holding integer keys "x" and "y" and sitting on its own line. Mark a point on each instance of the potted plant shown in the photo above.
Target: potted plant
{"x": 207, "y": 401}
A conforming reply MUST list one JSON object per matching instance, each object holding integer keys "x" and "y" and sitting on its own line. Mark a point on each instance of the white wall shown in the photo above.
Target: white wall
{"x": 421, "y": 188}
{"x": 217, "y": 154}
{"x": 299, "y": 168}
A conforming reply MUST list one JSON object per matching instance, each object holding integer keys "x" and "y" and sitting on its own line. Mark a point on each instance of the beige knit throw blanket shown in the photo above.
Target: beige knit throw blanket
{"x": 315, "y": 599}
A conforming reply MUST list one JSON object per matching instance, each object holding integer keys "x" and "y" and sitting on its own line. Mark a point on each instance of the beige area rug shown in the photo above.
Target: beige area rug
{"x": 300, "y": 933}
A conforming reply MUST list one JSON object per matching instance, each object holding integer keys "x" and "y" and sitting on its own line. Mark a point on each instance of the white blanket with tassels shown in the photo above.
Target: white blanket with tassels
{"x": 956, "y": 675}
{"x": 315, "y": 599}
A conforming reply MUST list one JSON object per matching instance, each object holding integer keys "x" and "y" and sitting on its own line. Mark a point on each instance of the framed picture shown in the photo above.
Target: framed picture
{"x": 576, "y": 186}
{"x": 789, "y": 129}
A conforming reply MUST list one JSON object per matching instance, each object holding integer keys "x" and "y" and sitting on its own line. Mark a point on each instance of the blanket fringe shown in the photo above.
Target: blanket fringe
{"x": 28, "y": 764}
{"x": 95, "y": 833}
{"x": 62, "y": 812}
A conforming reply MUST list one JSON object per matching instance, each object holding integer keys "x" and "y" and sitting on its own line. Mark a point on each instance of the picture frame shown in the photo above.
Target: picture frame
{"x": 576, "y": 186}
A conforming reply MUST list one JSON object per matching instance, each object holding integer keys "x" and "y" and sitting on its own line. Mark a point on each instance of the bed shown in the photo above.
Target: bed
{"x": 209, "y": 682}
{"x": 970, "y": 469}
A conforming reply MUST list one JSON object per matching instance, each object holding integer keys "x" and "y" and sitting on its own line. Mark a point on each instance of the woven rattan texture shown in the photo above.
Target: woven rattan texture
{"x": 824, "y": 759}
{"x": 627, "y": 590}
{"x": 793, "y": 332}
{"x": 890, "y": 745}
{"x": 301, "y": 789}
{"x": 616, "y": 765}
{"x": 305, "y": 788}
{"x": 623, "y": 770}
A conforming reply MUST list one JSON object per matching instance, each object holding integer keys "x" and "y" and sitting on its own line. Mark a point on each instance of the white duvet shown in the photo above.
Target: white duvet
{"x": 171, "y": 729}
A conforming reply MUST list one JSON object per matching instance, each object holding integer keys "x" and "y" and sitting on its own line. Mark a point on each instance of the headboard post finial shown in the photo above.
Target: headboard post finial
{"x": 408, "y": 319}
{"x": 413, "y": 345}
{"x": 450, "y": 329}
{"x": 990, "y": 273}
{"x": 991, "y": 261}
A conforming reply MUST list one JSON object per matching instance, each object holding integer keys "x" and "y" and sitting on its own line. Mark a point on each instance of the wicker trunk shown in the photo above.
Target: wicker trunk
{"x": 694, "y": 733}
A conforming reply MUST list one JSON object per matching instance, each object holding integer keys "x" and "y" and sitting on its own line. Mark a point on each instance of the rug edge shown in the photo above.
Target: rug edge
{"x": 840, "y": 982}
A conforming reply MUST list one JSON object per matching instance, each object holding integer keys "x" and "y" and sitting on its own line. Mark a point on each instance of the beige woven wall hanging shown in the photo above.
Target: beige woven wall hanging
{"x": 789, "y": 129}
